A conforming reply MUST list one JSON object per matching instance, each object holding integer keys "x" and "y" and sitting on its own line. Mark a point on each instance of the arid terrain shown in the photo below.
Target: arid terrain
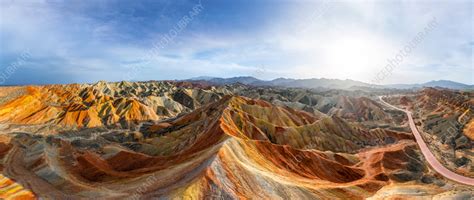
{"x": 446, "y": 118}
{"x": 237, "y": 100}
{"x": 198, "y": 140}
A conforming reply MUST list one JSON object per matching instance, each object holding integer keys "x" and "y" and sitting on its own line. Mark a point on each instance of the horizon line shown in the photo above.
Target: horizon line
{"x": 213, "y": 77}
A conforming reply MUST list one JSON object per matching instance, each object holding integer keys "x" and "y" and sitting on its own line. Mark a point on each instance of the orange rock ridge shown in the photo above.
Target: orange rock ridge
{"x": 220, "y": 146}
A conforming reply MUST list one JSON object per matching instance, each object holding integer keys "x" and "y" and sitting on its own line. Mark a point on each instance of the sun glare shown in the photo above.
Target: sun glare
{"x": 352, "y": 56}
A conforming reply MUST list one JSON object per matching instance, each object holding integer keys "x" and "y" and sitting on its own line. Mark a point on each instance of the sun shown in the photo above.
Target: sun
{"x": 353, "y": 57}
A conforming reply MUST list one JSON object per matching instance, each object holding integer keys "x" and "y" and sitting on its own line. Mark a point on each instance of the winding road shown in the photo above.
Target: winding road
{"x": 435, "y": 164}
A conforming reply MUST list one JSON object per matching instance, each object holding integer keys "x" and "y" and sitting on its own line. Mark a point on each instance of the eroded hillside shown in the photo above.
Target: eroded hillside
{"x": 194, "y": 141}
{"x": 445, "y": 116}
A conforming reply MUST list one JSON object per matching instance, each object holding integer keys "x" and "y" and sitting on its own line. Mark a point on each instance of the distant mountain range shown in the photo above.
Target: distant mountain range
{"x": 327, "y": 83}
{"x": 440, "y": 83}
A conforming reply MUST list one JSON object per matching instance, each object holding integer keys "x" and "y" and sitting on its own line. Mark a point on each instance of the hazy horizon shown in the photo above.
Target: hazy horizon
{"x": 186, "y": 79}
{"x": 396, "y": 42}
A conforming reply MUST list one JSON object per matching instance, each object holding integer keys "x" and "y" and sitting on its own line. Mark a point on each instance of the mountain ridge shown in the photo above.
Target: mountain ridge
{"x": 328, "y": 83}
{"x": 170, "y": 139}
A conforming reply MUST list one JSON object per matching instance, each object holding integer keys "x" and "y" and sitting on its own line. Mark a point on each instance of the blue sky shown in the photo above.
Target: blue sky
{"x": 87, "y": 41}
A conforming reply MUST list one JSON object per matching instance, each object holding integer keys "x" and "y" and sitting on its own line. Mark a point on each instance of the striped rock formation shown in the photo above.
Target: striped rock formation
{"x": 180, "y": 141}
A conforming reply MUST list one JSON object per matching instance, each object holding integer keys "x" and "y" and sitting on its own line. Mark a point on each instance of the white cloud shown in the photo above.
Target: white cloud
{"x": 346, "y": 39}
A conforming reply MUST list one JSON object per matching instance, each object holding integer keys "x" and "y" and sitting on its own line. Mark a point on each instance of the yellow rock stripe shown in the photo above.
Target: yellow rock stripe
{"x": 9, "y": 189}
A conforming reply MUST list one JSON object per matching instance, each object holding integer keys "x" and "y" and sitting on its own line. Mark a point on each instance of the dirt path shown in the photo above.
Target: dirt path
{"x": 435, "y": 164}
